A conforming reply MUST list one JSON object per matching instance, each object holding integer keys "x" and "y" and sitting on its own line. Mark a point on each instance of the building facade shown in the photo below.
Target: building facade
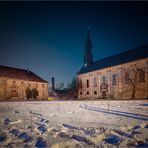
{"x": 14, "y": 82}
{"x": 122, "y": 76}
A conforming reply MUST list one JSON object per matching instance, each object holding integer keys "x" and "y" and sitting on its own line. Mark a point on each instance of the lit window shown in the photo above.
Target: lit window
{"x": 141, "y": 75}
{"x": 95, "y": 82}
{"x": 114, "y": 79}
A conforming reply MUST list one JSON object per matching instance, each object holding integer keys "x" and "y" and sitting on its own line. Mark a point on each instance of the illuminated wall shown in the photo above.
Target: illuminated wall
{"x": 116, "y": 82}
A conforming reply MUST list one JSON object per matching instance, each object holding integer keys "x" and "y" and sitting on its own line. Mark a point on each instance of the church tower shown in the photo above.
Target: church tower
{"x": 88, "y": 59}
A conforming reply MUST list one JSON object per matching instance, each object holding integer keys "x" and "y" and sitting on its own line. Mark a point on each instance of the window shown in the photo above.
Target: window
{"x": 141, "y": 75}
{"x": 14, "y": 82}
{"x": 95, "y": 92}
{"x": 80, "y": 93}
{"x": 22, "y": 82}
{"x": 104, "y": 79}
{"x": 87, "y": 83}
{"x": 126, "y": 77}
{"x": 95, "y": 82}
{"x": 114, "y": 79}
{"x": 87, "y": 92}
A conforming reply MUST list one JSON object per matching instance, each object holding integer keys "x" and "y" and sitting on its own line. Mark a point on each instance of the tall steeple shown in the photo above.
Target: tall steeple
{"x": 88, "y": 59}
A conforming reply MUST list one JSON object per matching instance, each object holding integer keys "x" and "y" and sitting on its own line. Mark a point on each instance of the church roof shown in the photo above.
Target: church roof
{"x": 124, "y": 57}
{"x": 21, "y": 74}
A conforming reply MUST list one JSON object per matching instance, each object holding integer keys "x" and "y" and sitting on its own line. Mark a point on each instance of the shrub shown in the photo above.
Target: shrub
{"x": 35, "y": 93}
{"x": 28, "y": 93}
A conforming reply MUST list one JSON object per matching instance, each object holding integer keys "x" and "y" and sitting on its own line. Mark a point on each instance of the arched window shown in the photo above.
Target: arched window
{"x": 114, "y": 79}
{"x": 95, "y": 82}
{"x": 141, "y": 75}
{"x": 87, "y": 83}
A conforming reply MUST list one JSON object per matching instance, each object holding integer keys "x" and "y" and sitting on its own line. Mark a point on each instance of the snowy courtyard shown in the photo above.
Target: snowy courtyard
{"x": 69, "y": 124}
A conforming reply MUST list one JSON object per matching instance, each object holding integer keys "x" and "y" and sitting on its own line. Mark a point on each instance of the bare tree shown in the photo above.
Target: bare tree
{"x": 60, "y": 86}
{"x": 133, "y": 80}
{"x": 72, "y": 90}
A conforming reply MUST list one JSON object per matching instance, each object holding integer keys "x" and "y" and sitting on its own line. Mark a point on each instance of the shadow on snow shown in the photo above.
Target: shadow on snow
{"x": 116, "y": 112}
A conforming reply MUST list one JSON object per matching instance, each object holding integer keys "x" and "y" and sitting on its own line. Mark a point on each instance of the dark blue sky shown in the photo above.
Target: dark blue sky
{"x": 49, "y": 37}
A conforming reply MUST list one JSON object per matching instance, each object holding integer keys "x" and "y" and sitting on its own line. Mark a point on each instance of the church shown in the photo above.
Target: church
{"x": 121, "y": 76}
{"x": 14, "y": 82}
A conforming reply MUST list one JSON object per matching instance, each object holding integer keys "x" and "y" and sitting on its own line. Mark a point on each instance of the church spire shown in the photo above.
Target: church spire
{"x": 88, "y": 50}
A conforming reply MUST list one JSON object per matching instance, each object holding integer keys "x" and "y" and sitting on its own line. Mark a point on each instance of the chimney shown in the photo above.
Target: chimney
{"x": 53, "y": 84}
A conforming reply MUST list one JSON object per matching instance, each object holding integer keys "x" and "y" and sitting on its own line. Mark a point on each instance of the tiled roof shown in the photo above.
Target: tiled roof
{"x": 20, "y": 74}
{"x": 124, "y": 57}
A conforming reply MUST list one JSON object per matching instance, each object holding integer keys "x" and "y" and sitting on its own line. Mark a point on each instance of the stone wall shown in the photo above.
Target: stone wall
{"x": 121, "y": 90}
{"x": 14, "y": 88}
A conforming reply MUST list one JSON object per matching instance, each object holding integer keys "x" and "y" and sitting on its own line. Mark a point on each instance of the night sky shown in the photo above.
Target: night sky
{"x": 49, "y": 37}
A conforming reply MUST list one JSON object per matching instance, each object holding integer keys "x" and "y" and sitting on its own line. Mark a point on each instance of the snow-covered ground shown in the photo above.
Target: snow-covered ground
{"x": 68, "y": 124}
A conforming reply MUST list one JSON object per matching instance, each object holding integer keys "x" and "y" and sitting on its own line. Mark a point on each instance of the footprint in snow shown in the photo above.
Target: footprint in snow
{"x": 136, "y": 127}
{"x": 44, "y": 120}
{"x": 7, "y": 121}
{"x": 112, "y": 139}
{"x": 16, "y": 111}
{"x": 15, "y": 132}
{"x": 40, "y": 143}
{"x": 25, "y": 137}
{"x": 2, "y": 138}
{"x": 42, "y": 129}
